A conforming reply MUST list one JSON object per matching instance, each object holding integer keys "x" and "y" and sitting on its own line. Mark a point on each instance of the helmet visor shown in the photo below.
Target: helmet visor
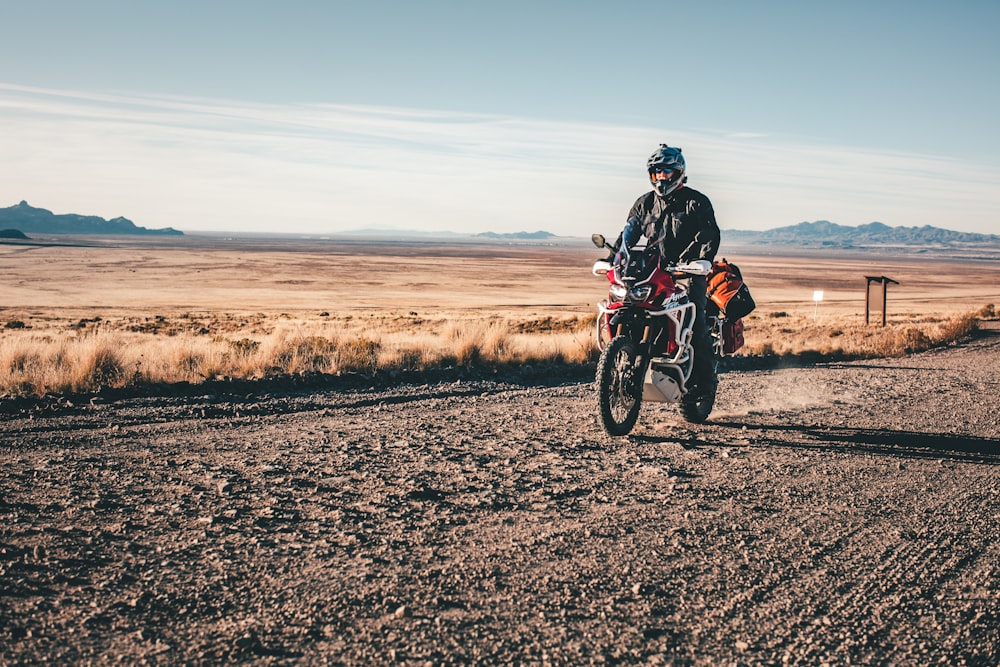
{"x": 663, "y": 174}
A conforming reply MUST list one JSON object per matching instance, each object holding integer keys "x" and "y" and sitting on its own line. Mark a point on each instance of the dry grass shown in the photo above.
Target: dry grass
{"x": 48, "y": 356}
{"x": 783, "y": 334}
{"x": 79, "y": 356}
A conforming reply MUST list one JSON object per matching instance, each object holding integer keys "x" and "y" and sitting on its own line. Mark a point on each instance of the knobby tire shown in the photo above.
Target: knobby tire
{"x": 619, "y": 389}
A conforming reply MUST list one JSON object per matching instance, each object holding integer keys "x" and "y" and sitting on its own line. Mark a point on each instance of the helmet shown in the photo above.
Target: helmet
{"x": 670, "y": 161}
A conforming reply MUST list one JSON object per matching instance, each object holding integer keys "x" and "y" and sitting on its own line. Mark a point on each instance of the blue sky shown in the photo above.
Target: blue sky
{"x": 464, "y": 116}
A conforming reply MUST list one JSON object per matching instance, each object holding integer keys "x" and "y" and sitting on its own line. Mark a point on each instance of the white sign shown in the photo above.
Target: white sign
{"x": 818, "y": 295}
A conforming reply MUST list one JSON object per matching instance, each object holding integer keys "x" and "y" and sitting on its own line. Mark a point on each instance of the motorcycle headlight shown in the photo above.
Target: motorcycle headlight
{"x": 618, "y": 292}
{"x": 640, "y": 293}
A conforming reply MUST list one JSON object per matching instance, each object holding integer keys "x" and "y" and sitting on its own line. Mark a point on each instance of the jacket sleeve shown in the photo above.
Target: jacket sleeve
{"x": 633, "y": 230}
{"x": 705, "y": 243}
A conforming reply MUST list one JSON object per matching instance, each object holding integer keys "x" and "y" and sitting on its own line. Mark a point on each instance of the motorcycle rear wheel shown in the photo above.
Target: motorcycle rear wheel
{"x": 697, "y": 411}
{"x": 619, "y": 386}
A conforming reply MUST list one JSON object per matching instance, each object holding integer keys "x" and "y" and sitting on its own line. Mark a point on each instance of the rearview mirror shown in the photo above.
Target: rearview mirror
{"x": 598, "y": 240}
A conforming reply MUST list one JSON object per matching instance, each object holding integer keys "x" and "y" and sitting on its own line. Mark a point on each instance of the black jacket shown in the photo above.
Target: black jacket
{"x": 687, "y": 219}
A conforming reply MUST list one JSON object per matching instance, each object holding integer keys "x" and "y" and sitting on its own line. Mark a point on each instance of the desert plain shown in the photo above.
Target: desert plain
{"x": 125, "y": 276}
{"x": 839, "y": 512}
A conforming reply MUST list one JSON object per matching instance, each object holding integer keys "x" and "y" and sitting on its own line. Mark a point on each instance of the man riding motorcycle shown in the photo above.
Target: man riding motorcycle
{"x": 682, "y": 221}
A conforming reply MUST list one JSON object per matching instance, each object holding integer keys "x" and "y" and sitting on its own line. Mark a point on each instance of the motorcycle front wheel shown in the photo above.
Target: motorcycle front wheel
{"x": 619, "y": 386}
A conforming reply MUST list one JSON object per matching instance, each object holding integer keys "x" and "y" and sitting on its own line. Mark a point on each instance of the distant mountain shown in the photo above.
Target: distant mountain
{"x": 825, "y": 233}
{"x": 12, "y": 234}
{"x": 527, "y": 236}
{"x": 27, "y": 218}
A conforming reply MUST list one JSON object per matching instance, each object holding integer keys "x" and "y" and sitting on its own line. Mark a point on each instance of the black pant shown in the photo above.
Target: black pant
{"x": 703, "y": 373}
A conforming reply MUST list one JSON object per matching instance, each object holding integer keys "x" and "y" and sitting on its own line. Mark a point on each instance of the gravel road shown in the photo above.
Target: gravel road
{"x": 836, "y": 514}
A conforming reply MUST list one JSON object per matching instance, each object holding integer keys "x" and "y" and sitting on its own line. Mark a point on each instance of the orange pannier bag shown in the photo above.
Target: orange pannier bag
{"x": 728, "y": 291}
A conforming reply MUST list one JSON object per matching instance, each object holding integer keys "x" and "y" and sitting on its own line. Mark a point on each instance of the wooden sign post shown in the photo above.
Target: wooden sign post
{"x": 879, "y": 296}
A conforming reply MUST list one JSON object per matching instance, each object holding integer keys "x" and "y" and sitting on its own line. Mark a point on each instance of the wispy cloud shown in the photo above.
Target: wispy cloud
{"x": 223, "y": 165}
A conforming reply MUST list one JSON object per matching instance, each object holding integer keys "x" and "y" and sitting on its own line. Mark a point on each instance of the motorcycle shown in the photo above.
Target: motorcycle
{"x": 645, "y": 331}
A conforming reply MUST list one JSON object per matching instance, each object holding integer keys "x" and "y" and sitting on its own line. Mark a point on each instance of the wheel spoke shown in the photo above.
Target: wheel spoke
{"x": 618, "y": 392}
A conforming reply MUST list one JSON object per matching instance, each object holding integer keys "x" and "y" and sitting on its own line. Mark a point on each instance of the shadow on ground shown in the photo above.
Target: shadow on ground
{"x": 880, "y": 442}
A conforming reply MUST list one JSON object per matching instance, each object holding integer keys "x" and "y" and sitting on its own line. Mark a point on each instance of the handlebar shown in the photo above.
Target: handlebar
{"x": 698, "y": 267}
{"x": 701, "y": 267}
{"x": 601, "y": 267}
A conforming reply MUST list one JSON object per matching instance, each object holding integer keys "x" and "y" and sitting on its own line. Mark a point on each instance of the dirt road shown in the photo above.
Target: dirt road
{"x": 838, "y": 514}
